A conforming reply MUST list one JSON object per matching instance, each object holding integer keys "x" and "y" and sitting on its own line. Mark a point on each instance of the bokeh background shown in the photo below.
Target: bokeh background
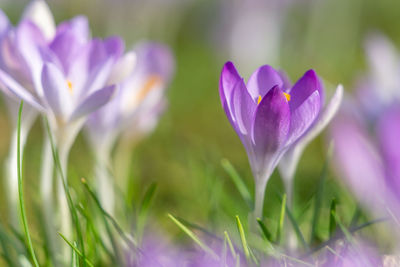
{"x": 183, "y": 155}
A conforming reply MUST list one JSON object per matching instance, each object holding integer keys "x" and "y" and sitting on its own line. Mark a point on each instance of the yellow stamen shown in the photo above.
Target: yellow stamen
{"x": 287, "y": 96}
{"x": 150, "y": 84}
{"x": 259, "y": 99}
{"x": 70, "y": 89}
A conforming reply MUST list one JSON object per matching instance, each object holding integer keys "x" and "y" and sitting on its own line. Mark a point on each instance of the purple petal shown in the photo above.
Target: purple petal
{"x": 229, "y": 78}
{"x": 4, "y": 23}
{"x": 30, "y": 42}
{"x": 303, "y": 88}
{"x": 17, "y": 90}
{"x": 389, "y": 133}
{"x": 39, "y": 13}
{"x": 155, "y": 59}
{"x": 67, "y": 46}
{"x": 56, "y": 91}
{"x": 94, "y": 102}
{"x": 262, "y": 80}
{"x": 243, "y": 108}
{"x": 102, "y": 50}
{"x": 79, "y": 26}
{"x": 359, "y": 162}
{"x": 303, "y": 116}
{"x": 271, "y": 122}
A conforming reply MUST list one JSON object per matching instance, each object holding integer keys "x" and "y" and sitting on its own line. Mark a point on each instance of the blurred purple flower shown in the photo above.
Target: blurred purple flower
{"x": 351, "y": 255}
{"x": 68, "y": 73}
{"x": 269, "y": 116}
{"x": 370, "y": 166}
{"x": 142, "y": 75}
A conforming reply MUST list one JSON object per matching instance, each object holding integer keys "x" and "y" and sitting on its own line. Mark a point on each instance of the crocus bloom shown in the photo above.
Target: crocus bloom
{"x": 11, "y": 62}
{"x": 142, "y": 75}
{"x": 269, "y": 116}
{"x": 68, "y": 73}
{"x": 370, "y": 166}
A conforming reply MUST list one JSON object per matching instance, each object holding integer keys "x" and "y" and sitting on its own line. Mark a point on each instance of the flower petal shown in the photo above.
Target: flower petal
{"x": 303, "y": 88}
{"x": 271, "y": 122}
{"x": 155, "y": 59}
{"x": 93, "y": 102}
{"x": 123, "y": 68}
{"x": 4, "y": 23}
{"x": 229, "y": 78}
{"x": 39, "y": 13}
{"x": 262, "y": 80}
{"x": 56, "y": 91}
{"x": 14, "y": 88}
{"x": 359, "y": 162}
{"x": 78, "y": 25}
{"x": 30, "y": 42}
{"x": 289, "y": 161}
{"x": 303, "y": 117}
{"x": 103, "y": 55}
{"x": 243, "y": 108}
{"x": 388, "y": 133}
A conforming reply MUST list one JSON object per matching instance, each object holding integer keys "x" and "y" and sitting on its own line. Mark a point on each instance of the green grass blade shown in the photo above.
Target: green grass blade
{"x": 74, "y": 248}
{"x": 346, "y": 232}
{"x": 318, "y": 200}
{"x": 71, "y": 205}
{"x": 231, "y": 247}
{"x": 296, "y": 228}
{"x": 264, "y": 230}
{"x": 237, "y": 180}
{"x": 105, "y": 216}
{"x": 246, "y": 250}
{"x": 193, "y": 237}
{"x": 332, "y": 221}
{"x": 281, "y": 220}
{"x": 144, "y": 208}
{"x": 129, "y": 240}
{"x": 20, "y": 191}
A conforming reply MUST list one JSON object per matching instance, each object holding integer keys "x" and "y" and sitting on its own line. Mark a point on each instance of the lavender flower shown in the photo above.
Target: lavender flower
{"x": 66, "y": 76}
{"x": 142, "y": 75}
{"x": 370, "y": 165}
{"x": 268, "y": 116}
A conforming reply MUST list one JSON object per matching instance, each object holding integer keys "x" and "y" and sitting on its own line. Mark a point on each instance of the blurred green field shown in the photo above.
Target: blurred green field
{"x": 183, "y": 155}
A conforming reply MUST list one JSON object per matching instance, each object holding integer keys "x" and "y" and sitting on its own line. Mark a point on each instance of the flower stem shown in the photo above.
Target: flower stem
{"x": 20, "y": 190}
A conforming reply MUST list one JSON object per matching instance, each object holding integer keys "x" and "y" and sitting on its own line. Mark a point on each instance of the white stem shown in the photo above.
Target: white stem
{"x": 259, "y": 197}
{"x": 65, "y": 216}
{"x": 46, "y": 190}
{"x": 123, "y": 159}
{"x": 105, "y": 185}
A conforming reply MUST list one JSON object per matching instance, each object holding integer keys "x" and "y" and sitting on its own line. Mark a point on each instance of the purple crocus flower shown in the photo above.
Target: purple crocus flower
{"x": 370, "y": 166}
{"x": 142, "y": 75}
{"x": 268, "y": 116}
{"x": 67, "y": 77}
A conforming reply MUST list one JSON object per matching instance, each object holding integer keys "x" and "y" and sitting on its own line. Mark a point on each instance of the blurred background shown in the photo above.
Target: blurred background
{"x": 183, "y": 155}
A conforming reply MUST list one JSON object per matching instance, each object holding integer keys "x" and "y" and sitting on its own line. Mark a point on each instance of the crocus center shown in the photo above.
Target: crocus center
{"x": 150, "y": 84}
{"x": 259, "y": 99}
{"x": 70, "y": 89}
{"x": 287, "y": 96}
